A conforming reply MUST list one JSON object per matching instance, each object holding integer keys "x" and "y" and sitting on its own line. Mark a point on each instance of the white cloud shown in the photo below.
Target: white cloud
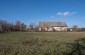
{"x": 66, "y": 13}
{"x": 52, "y": 16}
{"x": 59, "y": 13}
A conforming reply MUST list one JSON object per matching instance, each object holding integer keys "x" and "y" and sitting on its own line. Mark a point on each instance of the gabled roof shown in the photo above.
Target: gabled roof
{"x": 52, "y": 24}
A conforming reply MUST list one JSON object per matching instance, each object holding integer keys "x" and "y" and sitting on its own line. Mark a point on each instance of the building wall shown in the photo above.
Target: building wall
{"x": 46, "y": 29}
{"x": 60, "y": 28}
{"x": 40, "y": 29}
{"x": 57, "y": 28}
{"x": 54, "y": 28}
{"x": 50, "y": 29}
{"x": 64, "y": 28}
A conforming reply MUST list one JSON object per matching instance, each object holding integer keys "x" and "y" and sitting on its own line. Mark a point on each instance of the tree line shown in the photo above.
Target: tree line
{"x": 17, "y": 26}
{"x": 20, "y": 26}
{"x": 7, "y": 26}
{"x": 76, "y": 28}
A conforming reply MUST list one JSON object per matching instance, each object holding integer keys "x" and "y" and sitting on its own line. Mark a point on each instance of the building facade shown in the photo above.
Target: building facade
{"x": 52, "y": 26}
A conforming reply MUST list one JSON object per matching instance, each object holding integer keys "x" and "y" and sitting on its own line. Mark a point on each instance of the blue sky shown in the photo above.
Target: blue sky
{"x": 33, "y": 11}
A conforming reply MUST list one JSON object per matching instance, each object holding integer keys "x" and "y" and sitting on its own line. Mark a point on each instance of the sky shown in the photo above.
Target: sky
{"x": 32, "y": 11}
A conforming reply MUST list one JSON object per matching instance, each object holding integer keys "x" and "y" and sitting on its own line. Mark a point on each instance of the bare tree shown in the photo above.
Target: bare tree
{"x": 75, "y": 28}
{"x": 18, "y": 26}
{"x": 31, "y": 27}
{"x": 23, "y": 26}
{"x": 36, "y": 28}
{"x": 6, "y": 26}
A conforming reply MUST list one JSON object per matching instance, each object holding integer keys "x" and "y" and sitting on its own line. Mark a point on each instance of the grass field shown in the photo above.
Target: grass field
{"x": 37, "y": 43}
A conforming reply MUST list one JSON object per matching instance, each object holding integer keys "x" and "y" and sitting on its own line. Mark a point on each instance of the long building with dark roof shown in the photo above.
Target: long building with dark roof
{"x": 52, "y": 26}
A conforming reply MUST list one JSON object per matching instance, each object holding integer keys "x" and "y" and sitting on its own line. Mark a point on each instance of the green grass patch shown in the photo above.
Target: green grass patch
{"x": 37, "y": 43}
